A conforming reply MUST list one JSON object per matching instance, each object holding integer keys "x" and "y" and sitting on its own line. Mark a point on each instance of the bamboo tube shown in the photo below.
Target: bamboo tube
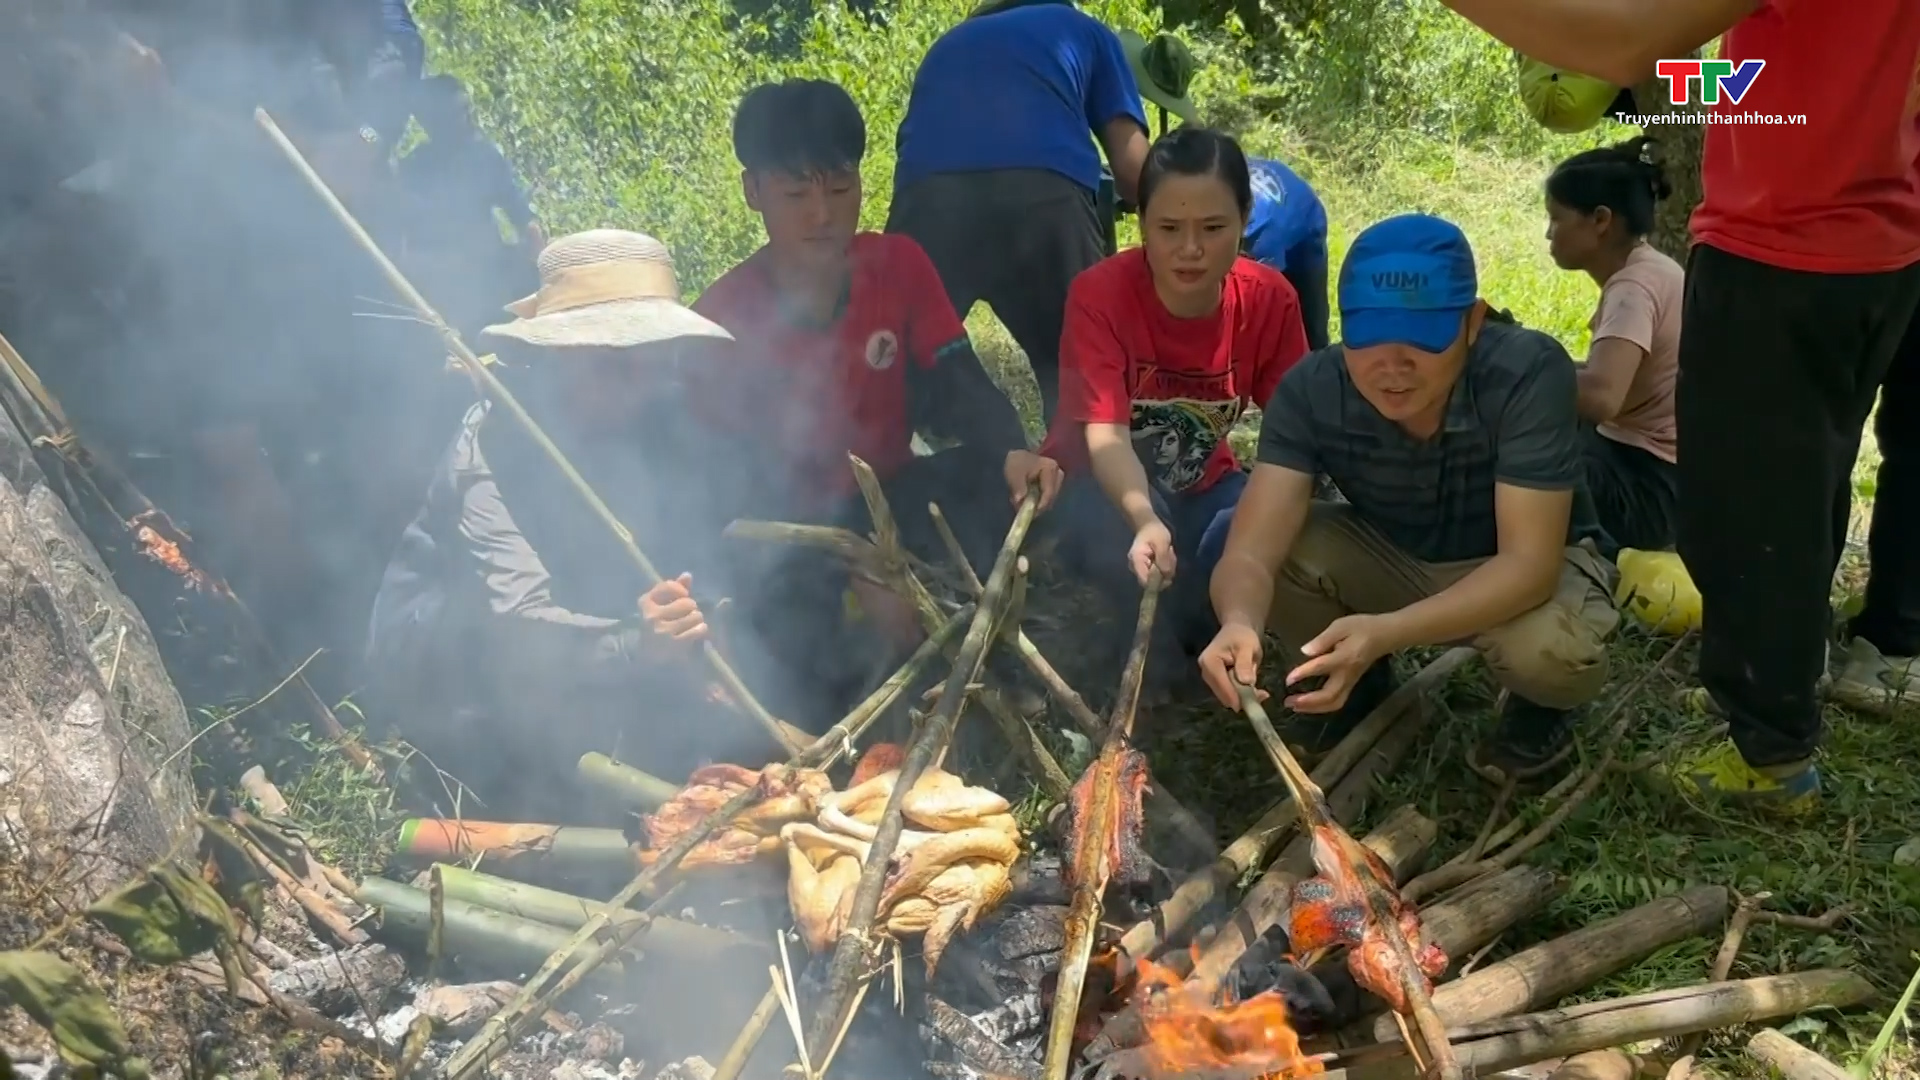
{"x": 669, "y": 938}
{"x": 497, "y": 390}
{"x": 1553, "y": 969}
{"x": 1172, "y": 920}
{"x": 1091, "y": 867}
{"x": 493, "y": 941}
{"x": 1596, "y": 1065}
{"x": 1512, "y": 1042}
{"x": 623, "y": 784}
{"x": 1790, "y": 1059}
{"x": 565, "y": 850}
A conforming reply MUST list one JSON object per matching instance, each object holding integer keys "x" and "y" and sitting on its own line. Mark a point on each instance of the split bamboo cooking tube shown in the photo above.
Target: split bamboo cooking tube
{"x": 497, "y": 390}
{"x": 1091, "y": 868}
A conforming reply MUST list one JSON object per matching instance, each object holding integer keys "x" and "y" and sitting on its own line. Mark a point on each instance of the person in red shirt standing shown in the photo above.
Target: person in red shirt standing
{"x": 846, "y": 343}
{"x": 1165, "y": 346}
{"x": 1803, "y": 277}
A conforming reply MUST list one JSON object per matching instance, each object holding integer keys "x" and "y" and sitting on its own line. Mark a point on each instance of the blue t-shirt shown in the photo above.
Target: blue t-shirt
{"x": 1286, "y": 215}
{"x": 1021, "y": 89}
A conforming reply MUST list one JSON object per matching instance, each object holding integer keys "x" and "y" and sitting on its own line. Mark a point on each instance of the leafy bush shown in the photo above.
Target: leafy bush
{"x": 618, "y": 111}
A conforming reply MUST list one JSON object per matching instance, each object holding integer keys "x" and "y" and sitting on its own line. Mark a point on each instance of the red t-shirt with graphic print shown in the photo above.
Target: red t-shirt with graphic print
{"x": 814, "y": 394}
{"x": 1178, "y": 383}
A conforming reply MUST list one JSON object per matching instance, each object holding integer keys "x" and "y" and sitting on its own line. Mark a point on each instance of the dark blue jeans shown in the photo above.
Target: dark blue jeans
{"x": 1095, "y": 539}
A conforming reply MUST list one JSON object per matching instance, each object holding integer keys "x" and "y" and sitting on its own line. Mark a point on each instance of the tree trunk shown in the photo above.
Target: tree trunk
{"x": 1679, "y": 151}
{"x": 92, "y": 730}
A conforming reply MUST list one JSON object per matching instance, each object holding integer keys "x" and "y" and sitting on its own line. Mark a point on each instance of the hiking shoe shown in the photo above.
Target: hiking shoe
{"x": 1530, "y": 740}
{"x": 1722, "y": 775}
{"x": 1873, "y": 682}
{"x": 1318, "y": 733}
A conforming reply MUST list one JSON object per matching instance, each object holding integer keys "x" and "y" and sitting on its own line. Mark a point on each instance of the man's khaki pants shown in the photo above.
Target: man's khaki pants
{"x": 1554, "y": 655}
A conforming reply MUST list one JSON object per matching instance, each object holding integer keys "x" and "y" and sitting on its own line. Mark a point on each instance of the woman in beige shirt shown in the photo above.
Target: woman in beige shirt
{"x": 1599, "y": 211}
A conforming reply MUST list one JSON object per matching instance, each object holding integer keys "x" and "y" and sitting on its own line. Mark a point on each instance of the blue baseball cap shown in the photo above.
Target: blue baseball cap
{"x": 1408, "y": 280}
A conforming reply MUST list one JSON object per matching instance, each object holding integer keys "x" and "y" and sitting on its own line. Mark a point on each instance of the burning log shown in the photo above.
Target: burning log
{"x": 339, "y": 981}
{"x": 624, "y": 785}
{"x": 460, "y": 1010}
{"x": 1105, "y": 837}
{"x": 1790, "y": 1059}
{"x": 976, "y": 1046}
{"x": 1553, "y": 969}
{"x": 1358, "y": 907}
{"x": 1173, "y": 920}
{"x": 854, "y": 957}
{"x": 490, "y": 383}
{"x": 1400, "y": 841}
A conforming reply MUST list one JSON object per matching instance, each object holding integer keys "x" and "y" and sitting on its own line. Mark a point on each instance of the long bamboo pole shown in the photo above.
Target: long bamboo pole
{"x": 497, "y": 390}
{"x": 1091, "y": 866}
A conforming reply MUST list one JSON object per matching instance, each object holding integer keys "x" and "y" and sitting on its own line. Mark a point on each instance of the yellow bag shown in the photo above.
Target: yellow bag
{"x": 1656, "y": 589}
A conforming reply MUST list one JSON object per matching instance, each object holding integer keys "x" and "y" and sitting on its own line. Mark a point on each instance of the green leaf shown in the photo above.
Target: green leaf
{"x": 167, "y": 916}
{"x": 78, "y": 1017}
{"x": 1863, "y": 1068}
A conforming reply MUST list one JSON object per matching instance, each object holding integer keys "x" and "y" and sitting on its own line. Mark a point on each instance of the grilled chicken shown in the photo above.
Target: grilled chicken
{"x": 1331, "y": 910}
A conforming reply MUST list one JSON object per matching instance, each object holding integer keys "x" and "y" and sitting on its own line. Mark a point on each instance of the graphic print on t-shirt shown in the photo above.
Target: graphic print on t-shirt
{"x": 1175, "y": 437}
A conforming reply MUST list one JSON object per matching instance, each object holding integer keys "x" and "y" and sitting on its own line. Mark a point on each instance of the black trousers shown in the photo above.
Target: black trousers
{"x": 1014, "y": 238}
{"x": 1633, "y": 493}
{"x": 1308, "y": 276}
{"x": 1778, "y": 371}
{"x": 1891, "y": 617}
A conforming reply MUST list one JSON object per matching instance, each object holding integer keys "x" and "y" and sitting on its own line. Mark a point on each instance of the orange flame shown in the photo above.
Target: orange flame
{"x": 1189, "y": 1032}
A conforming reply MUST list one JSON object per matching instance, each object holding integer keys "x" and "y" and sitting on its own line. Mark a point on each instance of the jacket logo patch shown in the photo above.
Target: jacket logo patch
{"x": 883, "y": 348}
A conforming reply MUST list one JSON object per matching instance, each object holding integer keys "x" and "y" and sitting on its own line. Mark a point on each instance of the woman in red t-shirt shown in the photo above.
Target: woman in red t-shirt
{"x": 1164, "y": 347}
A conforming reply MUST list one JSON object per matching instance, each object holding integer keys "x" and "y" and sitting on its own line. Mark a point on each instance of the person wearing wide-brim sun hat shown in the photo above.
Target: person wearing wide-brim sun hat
{"x": 511, "y": 632}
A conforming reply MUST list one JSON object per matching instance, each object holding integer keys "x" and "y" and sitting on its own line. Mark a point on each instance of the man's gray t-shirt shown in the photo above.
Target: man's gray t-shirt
{"x": 1510, "y": 420}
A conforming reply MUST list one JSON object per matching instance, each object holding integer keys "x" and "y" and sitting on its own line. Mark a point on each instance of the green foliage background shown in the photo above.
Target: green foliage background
{"x": 617, "y": 111}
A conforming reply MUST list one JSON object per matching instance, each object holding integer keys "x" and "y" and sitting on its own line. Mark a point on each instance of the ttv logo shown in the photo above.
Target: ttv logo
{"x": 1714, "y": 76}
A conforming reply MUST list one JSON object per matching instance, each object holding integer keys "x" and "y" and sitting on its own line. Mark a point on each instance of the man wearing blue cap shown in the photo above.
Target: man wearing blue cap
{"x": 1453, "y": 436}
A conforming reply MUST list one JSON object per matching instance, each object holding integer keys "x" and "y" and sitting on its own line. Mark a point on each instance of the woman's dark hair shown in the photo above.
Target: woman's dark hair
{"x": 1197, "y": 151}
{"x": 803, "y": 127}
{"x": 1625, "y": 178}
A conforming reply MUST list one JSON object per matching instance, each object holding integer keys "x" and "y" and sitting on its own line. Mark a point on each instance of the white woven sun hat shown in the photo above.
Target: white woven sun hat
{"x": 608, "y": 289}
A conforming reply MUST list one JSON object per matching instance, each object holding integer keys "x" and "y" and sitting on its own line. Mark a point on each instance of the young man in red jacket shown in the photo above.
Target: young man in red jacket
{"x": 1804, "y": 274}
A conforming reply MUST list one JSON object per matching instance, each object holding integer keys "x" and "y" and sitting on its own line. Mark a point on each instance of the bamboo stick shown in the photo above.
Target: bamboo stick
{"x": 623, "y": 784}
{"x": 1091, "y": 868}
{"x": 854, "y": 954}
{"x": 749, "y": 1038}
{"x": 839, "y": 738}
{"x": 1161, "y": 804}
{"x": 1172, "y": 920}
{"x": 1596, "y": 1065}
{"x": 1553, "y": 969}
{"x": 1790, "y": 1059}
{"x": 1379, "y": 896}
{"x": 497, "y": 390}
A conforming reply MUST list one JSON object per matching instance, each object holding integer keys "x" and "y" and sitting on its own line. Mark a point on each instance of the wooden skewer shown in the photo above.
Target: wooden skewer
{"x": 1091, "y": 867}
{"x": 1318, "y": 818}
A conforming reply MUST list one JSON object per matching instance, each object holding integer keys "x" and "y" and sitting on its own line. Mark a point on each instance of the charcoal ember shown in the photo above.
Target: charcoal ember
{"x": 955, "y": 1070}
{"x": 1019, "y": 1017}
{"x": 1041, "y": 879}
{"x": 1030, "y": 931}
{"x": 952, "y": 1034}
{"x": 1312, "y": 1006}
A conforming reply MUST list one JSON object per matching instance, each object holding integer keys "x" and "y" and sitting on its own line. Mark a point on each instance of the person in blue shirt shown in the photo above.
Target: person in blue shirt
{"x": 997, "y": 175}
{"x": 1288, "y": 231}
